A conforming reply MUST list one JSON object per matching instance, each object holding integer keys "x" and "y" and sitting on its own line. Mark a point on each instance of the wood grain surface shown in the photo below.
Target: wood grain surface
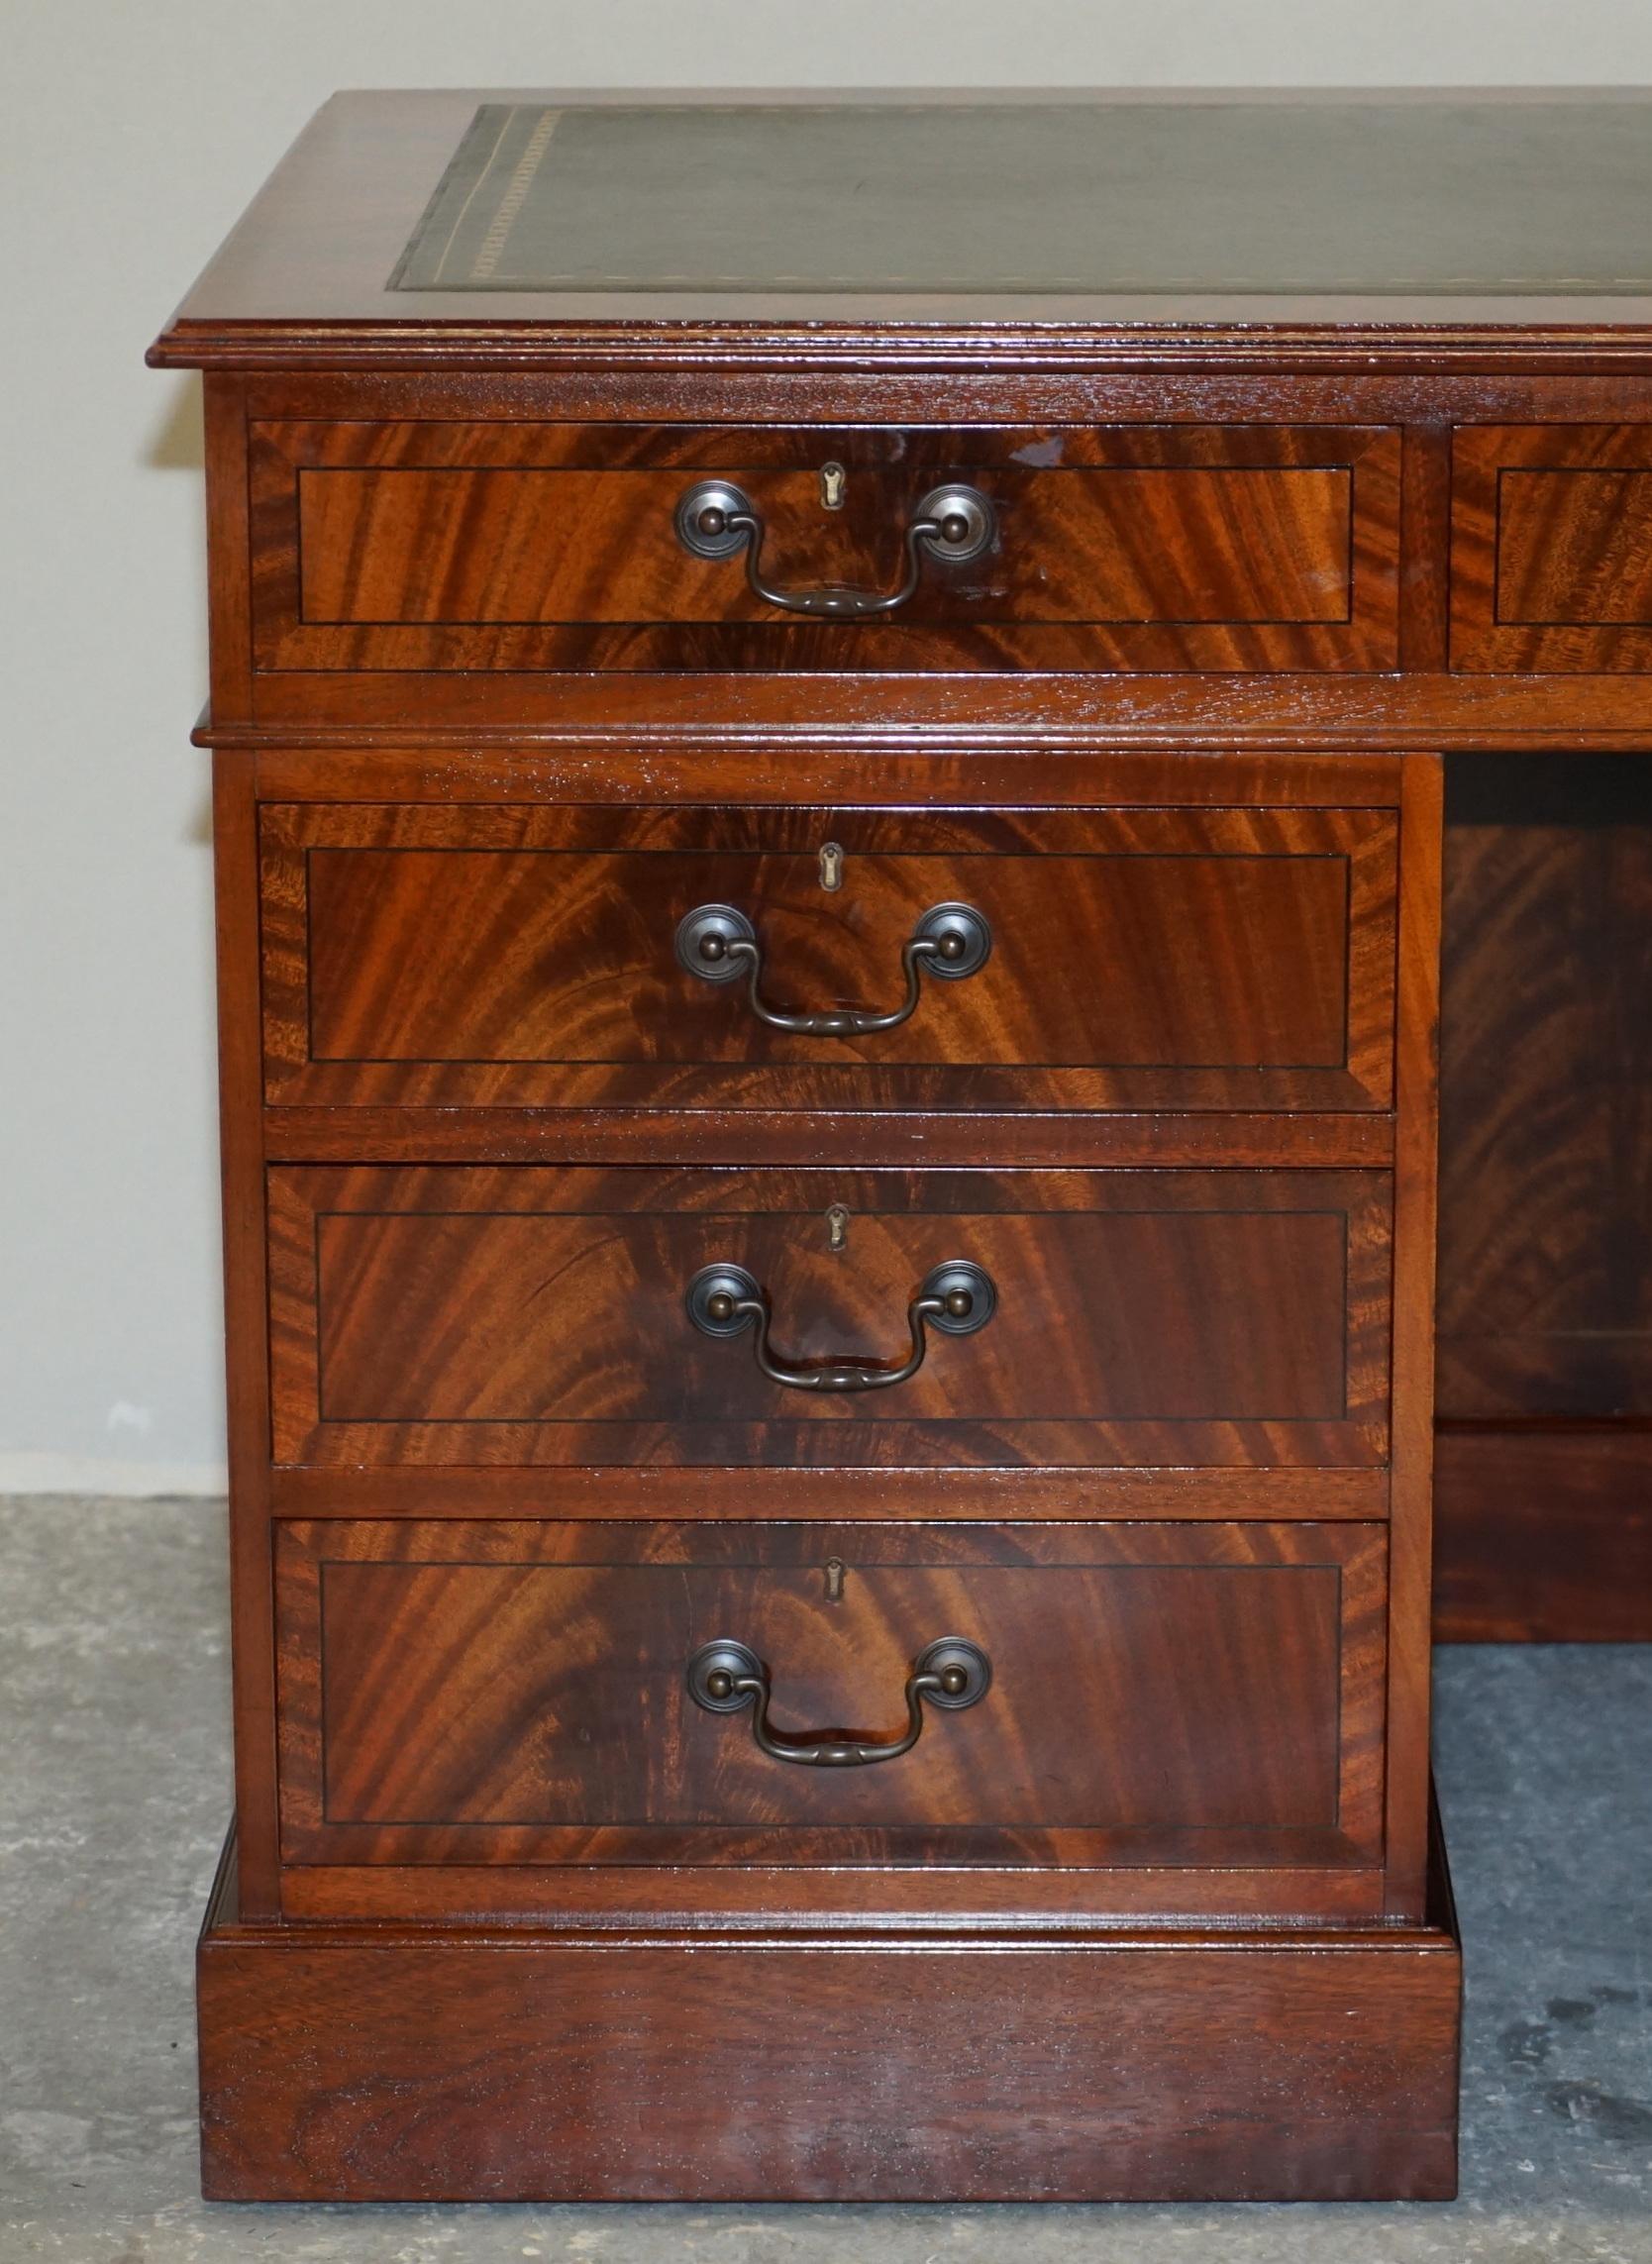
{"x": 509, "y": 545}
{"x": 1551, "y": 563}
{"x": 522, "y": 955}
{"x": 515, "y": 1693}
{"x": 1545, "y": 1532}
{"x": 1411, "y": 1450}
{"x": 536, "y": 1315}
{"x": 1546, "y": 1157}
{"x": 392, "y": 2062}
{"x": 246, "y": 1325}
{"x": 1545, "y": 1318}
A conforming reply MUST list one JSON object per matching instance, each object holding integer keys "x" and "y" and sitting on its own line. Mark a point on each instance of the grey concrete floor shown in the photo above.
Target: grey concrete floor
{"x": 114, "y": 1789}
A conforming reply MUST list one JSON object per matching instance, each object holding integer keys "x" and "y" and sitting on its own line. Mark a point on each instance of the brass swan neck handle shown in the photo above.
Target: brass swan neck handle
{"x": 717, "y": 520}
{"x": 725, "y": 1300}
{"x": 718, "y": 944}
{"x": 723, "y": 1676}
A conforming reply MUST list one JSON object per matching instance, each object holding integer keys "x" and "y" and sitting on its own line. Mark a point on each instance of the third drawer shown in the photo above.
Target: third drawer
{"x": 545, "y": 1315}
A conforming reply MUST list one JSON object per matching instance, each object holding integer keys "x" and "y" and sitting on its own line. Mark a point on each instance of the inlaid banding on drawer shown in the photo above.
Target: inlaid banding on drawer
{"x": 524, "y": 955}
{"x": 533, "y": 1315}
{"x": 440, "y": 545}
{"x": 516, "y": 1693}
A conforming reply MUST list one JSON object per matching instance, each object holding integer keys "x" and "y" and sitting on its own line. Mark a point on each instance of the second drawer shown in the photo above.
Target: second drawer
{"x": 528, "y": 1314}
{"x": 824, "y": 958}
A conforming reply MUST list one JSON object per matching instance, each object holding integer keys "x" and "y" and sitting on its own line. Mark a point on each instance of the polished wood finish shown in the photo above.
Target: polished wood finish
{"x": 959, "y": 774}
{"x": 1546, "y": 1182}
{"x": 1545, "y": 1330}
{"x": 533, "y": 1315}
{"x": 1424, "y": 714}
{"x": 827, "y": 1139}
{"x": 993, "y": 1494}
{"x": 509, "y": 547}
{"x": 1551, "y": 563}
{"x": 1416, "y": 1212}
{"x": 1545, "y": 1534}
{"x": 1161, "y": 1695}
{"x": 523, "y": 956}
{"x": 245, "y": 1329}
{"x": 1040, "y": 1902}
{"x": 398, "y": 2062}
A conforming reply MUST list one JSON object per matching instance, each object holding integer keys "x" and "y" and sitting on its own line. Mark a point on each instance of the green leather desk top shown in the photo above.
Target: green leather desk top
{"x": 1361, "y": 196}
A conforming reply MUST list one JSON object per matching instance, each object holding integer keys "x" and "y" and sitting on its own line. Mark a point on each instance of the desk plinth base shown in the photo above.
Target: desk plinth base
{"x": 385, "y": 2062}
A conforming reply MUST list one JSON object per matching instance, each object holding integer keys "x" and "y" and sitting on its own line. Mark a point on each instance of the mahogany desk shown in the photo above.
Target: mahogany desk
{"x": 827, "y": 725}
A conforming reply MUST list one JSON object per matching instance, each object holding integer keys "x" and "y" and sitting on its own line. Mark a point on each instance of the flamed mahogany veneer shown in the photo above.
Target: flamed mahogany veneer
{"x": 437, "y": 545}
{"x": 827, "y": 729}
{"x": 1160, "y": 1318}
{"x": 454, "y": 1696}
{"x": 524, "y": 955}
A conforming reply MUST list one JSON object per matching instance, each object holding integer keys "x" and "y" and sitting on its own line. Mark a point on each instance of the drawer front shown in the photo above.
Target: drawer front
{"x": 533, "y": 1315}
{"x": 1551, "y": 563}
{"x": 528, "y": 954}
{"x": 519, "y": 1693}
{"x": 437, "y": 545}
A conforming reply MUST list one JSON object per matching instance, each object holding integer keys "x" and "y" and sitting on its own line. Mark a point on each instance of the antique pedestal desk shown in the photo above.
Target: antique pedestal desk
{"x": 827, "y": 725}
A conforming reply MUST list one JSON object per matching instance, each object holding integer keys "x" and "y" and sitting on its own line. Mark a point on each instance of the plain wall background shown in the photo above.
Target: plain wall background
{"x": 133, "y": 134}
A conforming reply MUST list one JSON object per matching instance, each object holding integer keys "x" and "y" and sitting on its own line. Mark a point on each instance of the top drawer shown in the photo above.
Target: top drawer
{"x": 438, "y": 547}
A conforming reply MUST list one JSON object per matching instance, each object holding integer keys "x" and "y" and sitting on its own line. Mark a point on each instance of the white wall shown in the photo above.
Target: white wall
{"x": 133, "y": 132}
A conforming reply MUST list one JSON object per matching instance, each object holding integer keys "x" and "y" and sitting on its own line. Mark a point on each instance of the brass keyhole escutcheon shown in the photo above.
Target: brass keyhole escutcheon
{"x": 837, "y": 1228}
{"x": 834, "y": 481}
{"x": 831, "y": 867}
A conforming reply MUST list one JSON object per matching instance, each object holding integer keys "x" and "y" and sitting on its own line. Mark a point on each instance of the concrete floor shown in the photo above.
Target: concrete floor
{"x": 113, "y": 1794}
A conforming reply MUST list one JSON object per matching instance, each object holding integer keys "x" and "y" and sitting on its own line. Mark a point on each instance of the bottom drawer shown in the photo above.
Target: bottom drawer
{"x": 470, "y": 1692}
